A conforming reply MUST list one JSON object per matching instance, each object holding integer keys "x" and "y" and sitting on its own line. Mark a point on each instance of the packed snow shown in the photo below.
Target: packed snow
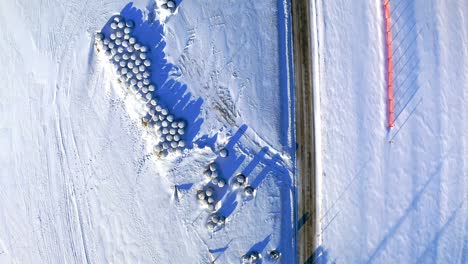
{"x": 392, "y": 195}
{"x": 146, "y": 132}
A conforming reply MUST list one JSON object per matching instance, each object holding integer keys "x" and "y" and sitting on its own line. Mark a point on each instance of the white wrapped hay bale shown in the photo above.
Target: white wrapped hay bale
{"x": 245, "y": 259}
{"x": 251, "y": 257}
{"x": 207, "y": 174}
{"x": 215, "y": 218}
{"x": 212, "y": 166}
{"x": 181, "y": 144}
{"x": 240, "y": 178}
{"x": 98, "y": 36}
{"x": 209, "y": 191}
{"x": 170, "y": 118}
{"x": 181, "y": 124}
{"x": 165, "y": 145}
{"x": 119, "y": 34}
{"x": 210, "y": 200}
{"x": 249, "y": 191}
{"x": 159, "y": 132}
{"x": 130, "y": 23}
{"x": 171, "y": 150}
{"x": 201, "y": 195}
{"x": 170, "y": 4}
{"x": 215, "y": 181}
{"x": 174, "y": 144}
{"x": 274, "y": 254}
{"x": 210, "y": 225}
{"x": 218, "y": 219}
{"x": 221, "y": 183}
{"x": 223, "y": 153}
{"x": 118, "y": 18}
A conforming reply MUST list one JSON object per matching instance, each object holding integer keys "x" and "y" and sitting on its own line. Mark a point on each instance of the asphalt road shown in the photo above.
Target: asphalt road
{"x": 304, "y": 129}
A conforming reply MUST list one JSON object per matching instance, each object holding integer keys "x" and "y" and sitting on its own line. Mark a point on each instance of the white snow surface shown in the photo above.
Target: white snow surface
{"x": 398, "y": 195}
{"x": 79, "y": 183}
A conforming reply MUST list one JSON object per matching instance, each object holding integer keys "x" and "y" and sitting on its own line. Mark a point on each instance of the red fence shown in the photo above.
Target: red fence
{"x": 388, "y": 39}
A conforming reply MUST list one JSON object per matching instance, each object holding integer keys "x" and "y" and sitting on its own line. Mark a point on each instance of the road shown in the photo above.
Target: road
{"x": 304, "y": 129}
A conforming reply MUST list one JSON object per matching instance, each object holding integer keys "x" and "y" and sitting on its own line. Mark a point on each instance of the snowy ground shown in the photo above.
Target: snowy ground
{"x": 79, "y": 181}
{"x": 399, "y": 195}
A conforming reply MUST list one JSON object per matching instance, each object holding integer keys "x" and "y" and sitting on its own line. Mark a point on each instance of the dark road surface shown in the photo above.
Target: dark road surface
{"x": 304, "y": 128}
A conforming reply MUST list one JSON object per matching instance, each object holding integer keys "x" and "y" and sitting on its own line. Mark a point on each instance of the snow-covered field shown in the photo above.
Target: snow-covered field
{"x": 80, "y": 182}
{"x": 399, "y": 195}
